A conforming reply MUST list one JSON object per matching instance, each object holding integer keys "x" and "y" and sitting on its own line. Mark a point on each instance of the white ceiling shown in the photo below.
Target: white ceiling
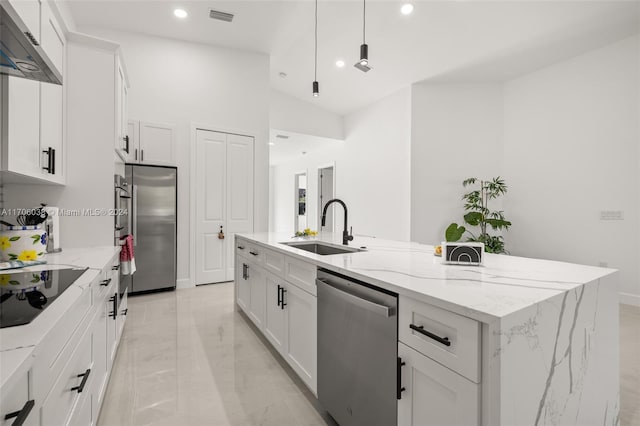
{"x": 442, "y": 40}
{"x": 295, "y": 146}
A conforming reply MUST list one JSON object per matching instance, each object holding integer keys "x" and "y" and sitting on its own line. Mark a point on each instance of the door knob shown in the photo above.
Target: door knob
{"x": 221, "y": 234}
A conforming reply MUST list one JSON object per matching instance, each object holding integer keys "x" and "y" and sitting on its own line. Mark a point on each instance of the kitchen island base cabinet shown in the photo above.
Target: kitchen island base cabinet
{"x": 301, "y": 326}
{"x": 433, "y": 394}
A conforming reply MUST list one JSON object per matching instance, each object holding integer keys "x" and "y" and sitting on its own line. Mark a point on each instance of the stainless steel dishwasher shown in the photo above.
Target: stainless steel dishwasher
{"x": 357, "y": 351}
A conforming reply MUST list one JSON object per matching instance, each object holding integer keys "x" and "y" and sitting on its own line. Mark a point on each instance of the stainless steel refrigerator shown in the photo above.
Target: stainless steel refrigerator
{"x": 153, "y": 226}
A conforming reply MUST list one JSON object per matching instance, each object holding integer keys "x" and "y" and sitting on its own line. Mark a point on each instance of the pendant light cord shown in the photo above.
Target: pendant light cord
{"x": 364, "y": 20}
{"x": 315, "y": 63}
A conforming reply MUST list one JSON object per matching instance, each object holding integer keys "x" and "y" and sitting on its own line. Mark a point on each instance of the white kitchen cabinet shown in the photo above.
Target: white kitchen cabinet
{"x": 16, "y": 399}
{"x": 284, "y": 312}
{"x": 301, "y": 338}
{"x": 433, "y": 394}
{"x": 157, "y": 143}
{"x": 29, "y": 12}
{"x": 122, "y": 141}
{"x": 257, "y": 298}
{"x": 33, "y": 112}
{"x": 275, "y": 318}
{"x": 243, "y": 288}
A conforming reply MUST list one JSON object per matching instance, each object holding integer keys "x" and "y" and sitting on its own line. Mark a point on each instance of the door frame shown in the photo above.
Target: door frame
{"x": 194, "y": 127}
{"x": 319, "y": 167}
{"x": 304, "y": 172}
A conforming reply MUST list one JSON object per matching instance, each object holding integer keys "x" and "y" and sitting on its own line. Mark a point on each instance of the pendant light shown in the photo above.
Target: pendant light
{"x": 316, "y": 85}
{"x": 363, "y": 63}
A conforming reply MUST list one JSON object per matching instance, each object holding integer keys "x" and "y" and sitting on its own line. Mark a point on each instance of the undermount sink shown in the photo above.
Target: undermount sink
{"x": 322, "y": 249}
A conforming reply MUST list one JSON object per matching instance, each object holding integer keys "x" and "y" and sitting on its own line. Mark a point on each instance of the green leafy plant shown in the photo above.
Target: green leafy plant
{"x": 476, "y": 204}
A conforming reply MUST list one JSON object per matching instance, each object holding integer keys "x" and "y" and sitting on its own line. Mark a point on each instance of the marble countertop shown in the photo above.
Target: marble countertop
{"x": 500, "y": 287}
{"x": 17, "y": 343}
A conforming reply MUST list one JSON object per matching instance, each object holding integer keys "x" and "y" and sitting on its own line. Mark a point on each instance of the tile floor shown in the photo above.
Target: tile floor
{"x": 187, "y": 358}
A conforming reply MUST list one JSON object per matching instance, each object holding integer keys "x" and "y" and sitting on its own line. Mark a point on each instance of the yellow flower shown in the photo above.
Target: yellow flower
{"x": 4, "y": 243}
{"x": 28, "y": 255}
{"x": 4, "y": 279}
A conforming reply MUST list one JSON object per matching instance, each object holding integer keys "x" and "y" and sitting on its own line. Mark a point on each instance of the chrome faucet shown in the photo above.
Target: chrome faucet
{"x": 346, "y": 236}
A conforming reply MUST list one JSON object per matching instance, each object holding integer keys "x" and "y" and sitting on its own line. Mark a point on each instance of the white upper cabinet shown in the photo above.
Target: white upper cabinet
{"x": 157, "y": 143}
{"x": 29, "y": 12}
{"x": 32, "y": 113}
{"x": 122, "y": 142}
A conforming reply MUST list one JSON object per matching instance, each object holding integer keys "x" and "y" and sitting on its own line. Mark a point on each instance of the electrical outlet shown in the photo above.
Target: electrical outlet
{"x": 611, "y": 215}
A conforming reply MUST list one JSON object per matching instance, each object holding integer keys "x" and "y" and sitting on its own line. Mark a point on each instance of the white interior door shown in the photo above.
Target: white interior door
{"x": 239, "y": 204}
{"x": 211, "y": 188}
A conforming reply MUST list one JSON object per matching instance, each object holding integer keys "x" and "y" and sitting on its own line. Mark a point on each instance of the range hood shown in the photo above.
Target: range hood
{"x": 20, "y": 53}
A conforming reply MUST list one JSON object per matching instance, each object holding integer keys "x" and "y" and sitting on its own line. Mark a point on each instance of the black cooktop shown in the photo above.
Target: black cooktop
{"x": 23, "y": 295}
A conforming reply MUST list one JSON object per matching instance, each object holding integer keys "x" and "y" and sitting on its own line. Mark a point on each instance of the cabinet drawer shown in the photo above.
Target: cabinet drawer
{"x": 300, "y": 274}
{"x": 57, "y": 346}
{"x": 274, "y": 262}
{"x": 68, "y": 393}
{"x": 14, "y": 397}
{"x": 428, "y": 329}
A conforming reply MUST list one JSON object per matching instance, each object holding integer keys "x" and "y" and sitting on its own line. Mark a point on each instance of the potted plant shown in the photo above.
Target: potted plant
{"x": 479, "y": 215}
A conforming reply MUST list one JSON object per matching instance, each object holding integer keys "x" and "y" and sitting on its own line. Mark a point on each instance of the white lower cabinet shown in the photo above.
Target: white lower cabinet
{"x": 257, "y": 298}
{"x": 435, "y": 395}
{"x": 275, "y": 319}
{"x": 301, "y": 327}
{"x": 285, "y": 313}
{"x": 243, "y": 289}
{"x": 70, "y": 389}
{"x": 16, "y": 401}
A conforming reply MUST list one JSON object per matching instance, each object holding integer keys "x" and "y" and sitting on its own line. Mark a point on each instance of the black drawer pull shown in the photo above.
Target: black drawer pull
{"x": 114, "y": 299}
{"x": 116, "y": 267}
{"x": 253, "y": 253}
{"x": 125, "y": 311}
{"x": 85, "y": 377}
{"x": 279, "y": 294}
{"x": 21, "y": 415}
{"x": 282, "y": 303}
{"x": 420, "y": 329}
{"x": 106, "y": 282}
{"x": 399, "y": 388}
{"x": 241, "y": 247}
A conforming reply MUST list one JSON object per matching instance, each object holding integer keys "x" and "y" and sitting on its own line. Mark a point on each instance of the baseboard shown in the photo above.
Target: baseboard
{"x": 629, "y": 298}
{"x": 184, "y": 283}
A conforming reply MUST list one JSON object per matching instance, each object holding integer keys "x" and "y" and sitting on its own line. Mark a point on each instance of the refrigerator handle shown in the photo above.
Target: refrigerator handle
{"x": 134, "y": 214}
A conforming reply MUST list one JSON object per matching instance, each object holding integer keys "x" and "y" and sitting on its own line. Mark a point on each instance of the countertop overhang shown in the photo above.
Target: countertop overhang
{"x": 502, "y": 286}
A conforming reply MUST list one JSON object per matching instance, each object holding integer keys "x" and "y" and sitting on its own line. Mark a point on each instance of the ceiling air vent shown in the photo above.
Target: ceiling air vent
{"x": 220, "y": 16}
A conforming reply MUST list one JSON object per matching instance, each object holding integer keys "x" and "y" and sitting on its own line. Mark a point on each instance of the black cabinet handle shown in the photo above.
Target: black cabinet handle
{"x": 51, "y": 158}
{"x": 119, "y": 228}
{"x": 142, "y": 155}
{"x": 241, "y": 247}
{"x": 124, "y": 311}
{"x": 135, "y": 151}
{"x": 114, "y": 299}
{"x": 279, "y": 295}
{"x": 115, "y": 267}
{"x": 253, "y": 253}
{"x": 85, "y": 377}
{"x": 420, "y": 329}
{"x": 126, "y": 147}
{"x": 399, "y": 388}
{"x": 21, "y": 415}
{"x": 282, "y": 303}
{"x": 31, "y": 38}
{"x": 106, "y": 282}
{"x": 245, "y": 271}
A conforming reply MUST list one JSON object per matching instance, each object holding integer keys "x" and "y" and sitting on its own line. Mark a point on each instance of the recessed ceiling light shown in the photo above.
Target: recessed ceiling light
{"x": 340, "y": 63}
{"x": 180, "y": 13}
{"x": 407, "y": 9}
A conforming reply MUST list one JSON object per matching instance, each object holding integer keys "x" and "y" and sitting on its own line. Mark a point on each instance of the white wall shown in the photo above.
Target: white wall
{"x": 180, "y": 83}
{"x": 293, "y": 115}
{"x": 371, "y": 173}
{"x": 456, "y": 133}
{"x": 571, "y": 150}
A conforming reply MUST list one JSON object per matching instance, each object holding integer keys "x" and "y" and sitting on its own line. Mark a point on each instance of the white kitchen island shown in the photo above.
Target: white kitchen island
{"x": 533, "y": 342}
